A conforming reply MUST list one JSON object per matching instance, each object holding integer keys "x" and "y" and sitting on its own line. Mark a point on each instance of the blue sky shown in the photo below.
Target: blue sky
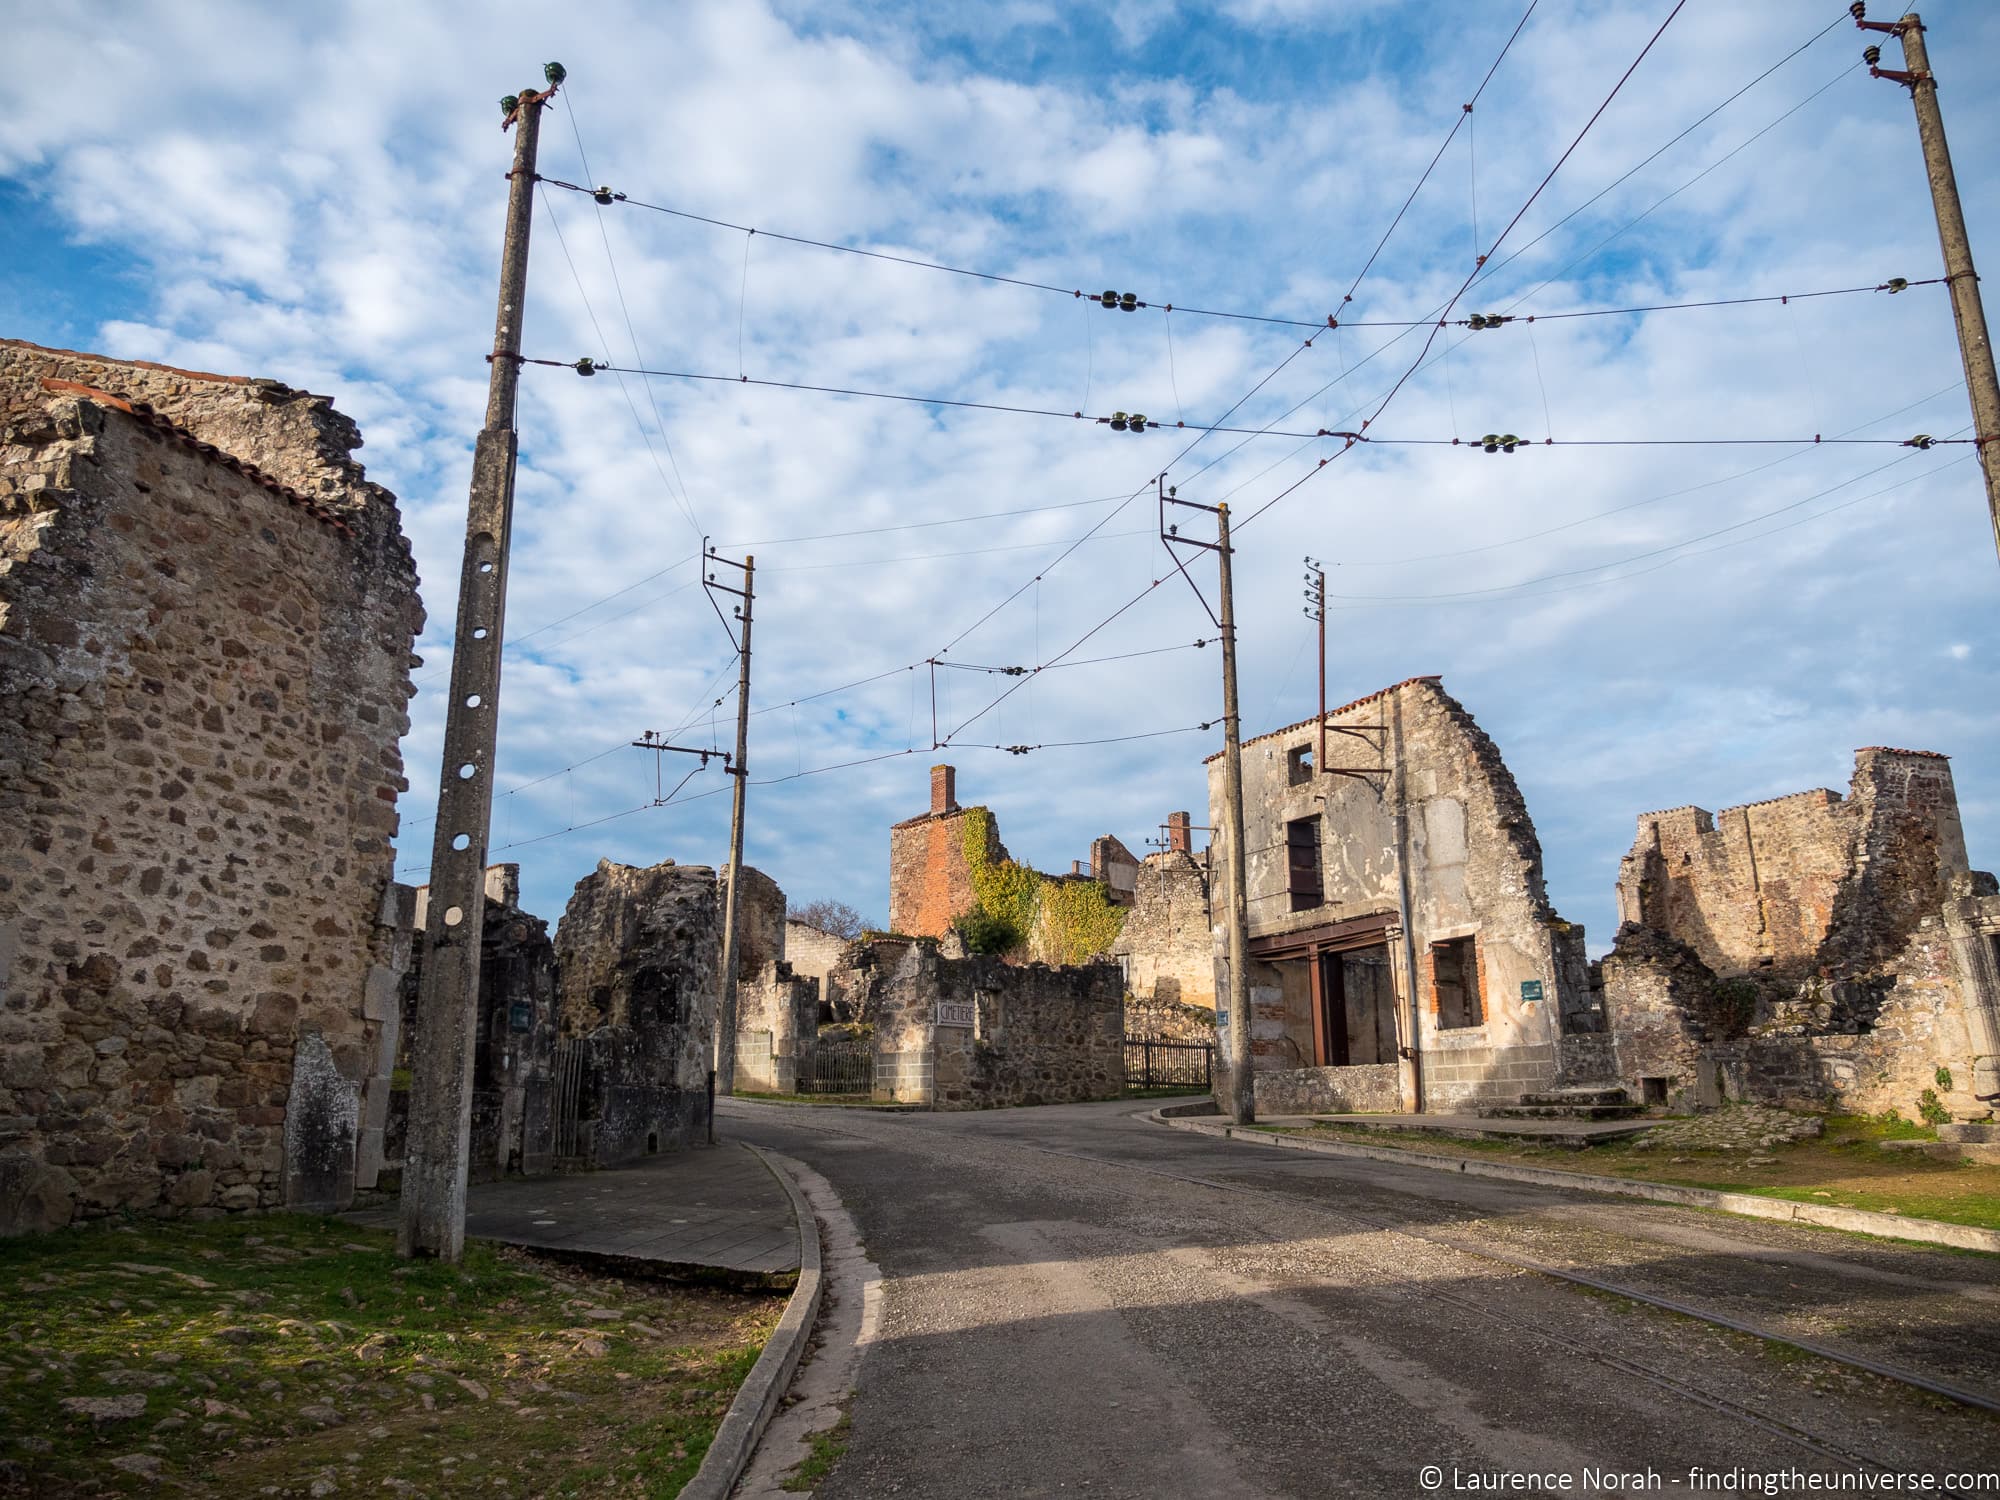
{"x": 315, "y": 194}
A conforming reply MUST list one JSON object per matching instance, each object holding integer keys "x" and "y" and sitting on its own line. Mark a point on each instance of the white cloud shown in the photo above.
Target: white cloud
{"x": 316, "y": 195}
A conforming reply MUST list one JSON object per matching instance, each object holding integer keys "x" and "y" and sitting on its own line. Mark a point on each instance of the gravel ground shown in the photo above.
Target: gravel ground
{"x": 1074, "y": 1301}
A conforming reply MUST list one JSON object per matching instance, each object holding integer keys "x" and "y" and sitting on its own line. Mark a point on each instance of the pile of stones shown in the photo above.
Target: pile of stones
{"x": 1742, "y": 1127}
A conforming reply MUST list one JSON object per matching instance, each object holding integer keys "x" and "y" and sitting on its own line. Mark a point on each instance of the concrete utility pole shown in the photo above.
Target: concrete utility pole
{"x": 1974, "y": 347}
{"x": 434, "y": 1171}
{"x": 1316, "y": 608}
{"x": 1242, "y": 1093}
{"x": 725, "y": 1017}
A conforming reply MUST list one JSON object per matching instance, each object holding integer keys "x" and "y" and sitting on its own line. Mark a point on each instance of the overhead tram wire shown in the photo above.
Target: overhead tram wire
{"x": 604, "y": 196}
{"x": 811, "y": 771}
{"x": 638, "y": 421}
{"x": 1444, "y": 312}
{"x": 618, "y": 285}
{"x": 1485, "y": 273}
{"x": 1502, "y": 594}
{"x": 1196, "y": 427}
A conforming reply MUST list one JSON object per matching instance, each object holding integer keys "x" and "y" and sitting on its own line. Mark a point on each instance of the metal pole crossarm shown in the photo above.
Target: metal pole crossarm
{"x": 434, "y": 1173}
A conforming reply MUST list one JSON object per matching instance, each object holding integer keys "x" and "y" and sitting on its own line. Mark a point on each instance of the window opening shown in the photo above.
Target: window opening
{"x": 1455, "y": 974}
{"x": 1302, "y": 873}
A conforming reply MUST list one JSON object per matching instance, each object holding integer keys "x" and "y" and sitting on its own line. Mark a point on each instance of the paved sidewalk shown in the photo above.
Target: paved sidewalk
{"x": 1551, "y": 1132}
{"x": 711, "y": 1208}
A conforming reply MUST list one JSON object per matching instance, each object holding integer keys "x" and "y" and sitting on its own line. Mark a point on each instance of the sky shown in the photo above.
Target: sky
{"x": 1640, "y": 615}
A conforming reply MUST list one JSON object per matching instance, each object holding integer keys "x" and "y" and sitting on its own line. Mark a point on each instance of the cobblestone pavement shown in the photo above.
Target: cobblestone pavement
{"x": 1077, "y": 1302}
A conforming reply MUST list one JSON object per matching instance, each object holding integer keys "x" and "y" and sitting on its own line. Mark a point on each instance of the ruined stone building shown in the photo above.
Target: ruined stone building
{"x": 1813, "y": 948}
{"x": 1403, "y": 952}
{"x": 1167, "y": 946}
{"x": 206, "y": 618}
{"x": 636, "y": 957}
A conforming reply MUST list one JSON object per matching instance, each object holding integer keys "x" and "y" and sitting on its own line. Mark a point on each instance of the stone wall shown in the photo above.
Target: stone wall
{"x": 1368, "y": 1088}
{"x": 777, "y": 1029}
{"x": 816, "y": 955}
{"x": 206, "y": 616}
{"x": 636, "y": 954}
{"x": 857, "y": 983}
{"x": 1114, "y": 867}
{"x": 1166, "y": 944}
{"x": 1169, "y": 1021}
{"x": 977, "y": 1033}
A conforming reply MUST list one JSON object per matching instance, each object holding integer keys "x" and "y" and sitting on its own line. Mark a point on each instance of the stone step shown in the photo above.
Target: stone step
{"x": 1611, "y": 1094}
{"x": 1561, "y": 1111}
{"x": 1983, "y": 1134}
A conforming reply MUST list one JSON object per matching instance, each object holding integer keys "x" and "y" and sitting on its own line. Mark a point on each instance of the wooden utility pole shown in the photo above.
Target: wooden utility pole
{"x": 1242, "y": 1102}
{"x": 725, "y": 1012}
{"x": 1974, "y": 347}
{"x": 434, "y": 1169}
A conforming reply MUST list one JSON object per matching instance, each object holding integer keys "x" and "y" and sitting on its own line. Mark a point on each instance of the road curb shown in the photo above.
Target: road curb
{"x": 1825, "y": 1216}
{"x": 757, "y": 1401}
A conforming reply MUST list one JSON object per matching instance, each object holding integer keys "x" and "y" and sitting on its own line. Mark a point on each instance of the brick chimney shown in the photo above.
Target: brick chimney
{"x": 944, "y": 790}
{"x": 1177, "y": 833}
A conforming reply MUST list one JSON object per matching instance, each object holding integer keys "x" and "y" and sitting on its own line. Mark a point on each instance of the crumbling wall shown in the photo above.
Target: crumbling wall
{"x": 977, "y": 1033}
{"x": 930, "y": 880}
{"x": 777, "y": 1029}
{"x": 1114, "y": 867}
{"x": 1824, "y": 924}
{"x": 1167, "y": 944}
{"x": 816, "y": 955}
{"x": 206, "y": 617}
{"x": 857, "y": 983}
{"x": 1794, "y": 883}
{"x": 760, "y": 923}
{"x": 636, "y": 954}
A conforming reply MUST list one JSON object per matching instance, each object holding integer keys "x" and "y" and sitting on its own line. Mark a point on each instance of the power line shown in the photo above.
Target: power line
{"x": 1508, "y": 588}
{"x": 618, "y": 285}
{"x": 1117, "y": 418}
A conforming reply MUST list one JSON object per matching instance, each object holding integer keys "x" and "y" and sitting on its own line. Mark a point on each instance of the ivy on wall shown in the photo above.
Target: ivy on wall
{"x": 1023, "y": 912}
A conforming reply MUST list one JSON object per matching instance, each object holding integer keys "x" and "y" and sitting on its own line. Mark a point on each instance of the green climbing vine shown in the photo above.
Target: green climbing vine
{"x": 1021, "y": 911}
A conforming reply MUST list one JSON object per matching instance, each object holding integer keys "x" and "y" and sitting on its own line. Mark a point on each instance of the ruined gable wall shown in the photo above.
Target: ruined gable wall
{"x": 1166, "y": 942}
{"x": 203, "y": 684}
{"x": 929, "y": 880}
{"x": 1475, "y": 869}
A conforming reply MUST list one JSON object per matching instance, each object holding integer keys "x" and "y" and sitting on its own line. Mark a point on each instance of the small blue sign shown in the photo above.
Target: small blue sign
{"x": 521, "y": 1016}
{"x": 1531, "y": 989}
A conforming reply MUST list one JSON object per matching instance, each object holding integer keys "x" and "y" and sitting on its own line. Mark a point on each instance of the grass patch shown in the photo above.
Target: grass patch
{"x": 1845, "y": 1167}
{"x": 827, "y": 1448}
{"x": 272, "y": 1355}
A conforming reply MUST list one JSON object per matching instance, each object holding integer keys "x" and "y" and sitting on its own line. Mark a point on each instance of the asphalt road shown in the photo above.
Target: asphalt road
{"x": 1075, "y": 1301}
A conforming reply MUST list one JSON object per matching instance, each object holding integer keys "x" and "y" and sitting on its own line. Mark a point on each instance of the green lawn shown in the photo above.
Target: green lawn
{"x": 1846, "y": 1167}
{"x": 289, "y": 1355}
